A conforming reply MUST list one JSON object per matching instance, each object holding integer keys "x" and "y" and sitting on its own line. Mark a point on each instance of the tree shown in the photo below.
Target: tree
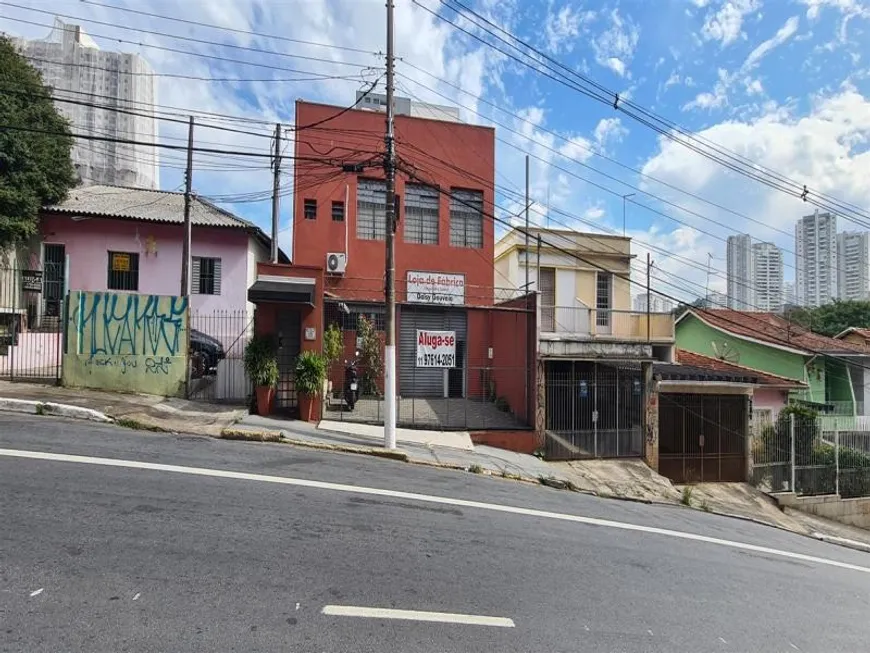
{"x": 35, "y": 165}
{"x": 834, "y": 318}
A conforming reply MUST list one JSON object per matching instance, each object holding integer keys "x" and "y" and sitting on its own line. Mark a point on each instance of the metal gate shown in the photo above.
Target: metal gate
{"x": 593, "y": 410}
{"x": 703, "y": 437}
{"x": 430, "y": 381}
{"x": 289, "y": 344}
{"x": 31, "y": 322}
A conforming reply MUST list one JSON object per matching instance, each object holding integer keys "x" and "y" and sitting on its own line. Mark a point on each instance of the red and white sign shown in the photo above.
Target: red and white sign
{"x": 436, "y": 348}
{"x": 436, "y": 288}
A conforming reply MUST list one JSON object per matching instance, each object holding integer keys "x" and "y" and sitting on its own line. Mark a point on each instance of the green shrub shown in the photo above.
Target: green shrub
{"x": 310, "y": 373}
{"x": 261, "y": 362}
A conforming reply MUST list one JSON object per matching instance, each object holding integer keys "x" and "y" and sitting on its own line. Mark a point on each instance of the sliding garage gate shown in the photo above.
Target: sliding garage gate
{"x": 431, "y": 381}
{"x": 703, "y": 437}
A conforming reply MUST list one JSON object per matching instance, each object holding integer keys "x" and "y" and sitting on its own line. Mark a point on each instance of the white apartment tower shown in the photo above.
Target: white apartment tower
{"x": 739, "y": 268}
{"x": 767, "y": 277}
{"x": 658, "y": 303}
{"x": 853, "y": 253}
{"x": 76, "y": 69}
{"x": 816, "y": 259}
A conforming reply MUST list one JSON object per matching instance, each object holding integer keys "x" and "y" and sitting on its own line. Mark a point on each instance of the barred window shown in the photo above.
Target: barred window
{"x": 466, "y": 218}
{"x": 123, "y": 271}
{"x": 310, "y": 209}
{"x": 371, "y": 209}
{"x": 338, "y": 211}
{"x": 206, "y": 275}
{"x": 421, "y": 214}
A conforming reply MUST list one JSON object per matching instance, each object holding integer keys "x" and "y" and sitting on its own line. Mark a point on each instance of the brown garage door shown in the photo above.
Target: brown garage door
{"x": 702, "y": 437}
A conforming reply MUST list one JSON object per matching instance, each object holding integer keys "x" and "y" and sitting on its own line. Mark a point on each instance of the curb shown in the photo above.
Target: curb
{"x": 266, "y": 435}
{"x": 30, "y": 407}
{"x": 842, "y": 541}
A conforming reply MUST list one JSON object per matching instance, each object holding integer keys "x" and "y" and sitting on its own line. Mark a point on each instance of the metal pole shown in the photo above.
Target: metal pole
{"x": 837, "y": 456}
{"x": 389, "y": 278}
{"x": 791, "y": 432}
{"x": 276, "y": 192}
{"x": 648, "y": 297}
{"x": 185, "y": 246}
{"x": 527, "y": 225}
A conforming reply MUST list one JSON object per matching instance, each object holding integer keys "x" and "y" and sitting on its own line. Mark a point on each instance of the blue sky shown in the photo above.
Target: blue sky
{"x": 782, "y": 82}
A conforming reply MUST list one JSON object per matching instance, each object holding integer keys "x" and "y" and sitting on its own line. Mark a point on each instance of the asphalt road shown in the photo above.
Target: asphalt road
{"x": 95, "y": 557}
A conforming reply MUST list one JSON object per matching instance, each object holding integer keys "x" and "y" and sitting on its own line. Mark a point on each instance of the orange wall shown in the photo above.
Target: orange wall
{"x": 265, "y": 317}
{"x": 420, "y": 143}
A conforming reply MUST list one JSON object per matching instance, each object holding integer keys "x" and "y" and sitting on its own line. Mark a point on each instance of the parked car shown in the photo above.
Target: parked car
{"x": 205, "y": 354}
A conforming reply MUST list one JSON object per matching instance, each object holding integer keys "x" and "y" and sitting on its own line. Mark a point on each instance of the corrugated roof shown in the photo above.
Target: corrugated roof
{"x": 776, "y": 330}
{"x": 864, "y": 333}
{"x": 699, "y": 361}
{"x": 124, "y": 203}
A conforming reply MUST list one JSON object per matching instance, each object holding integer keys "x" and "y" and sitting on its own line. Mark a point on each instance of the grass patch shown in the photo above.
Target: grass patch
{"x": 40, "y": 409}
{"x": 475, "y": 469}
{"x": 553, "y": 482}
{"x": 686, "y": 497}
{"x": 705, "y": 506}
{"x": 129, "y": 423}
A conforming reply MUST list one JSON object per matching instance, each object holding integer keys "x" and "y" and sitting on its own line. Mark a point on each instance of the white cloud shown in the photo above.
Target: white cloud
{"x": 726, "y": 24}
{"x": 826, "y": 149}
{"x": 614, "y": 47}
{"x": 609, "y": 130}
{"x": 814, "y": 7}
{"x": 754, "y": 86}
{"x": 593, "y": 213}
{"x": 763, "y": 49}
{"x": 562, "y": 27}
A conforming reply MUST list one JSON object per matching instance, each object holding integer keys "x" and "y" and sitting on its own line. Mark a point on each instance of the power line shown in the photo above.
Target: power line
{"x": 606, "y": 96}
{"x": 237, "y": 62}
{"x": 229, "y": 29}
{"x": 179, "y": 37}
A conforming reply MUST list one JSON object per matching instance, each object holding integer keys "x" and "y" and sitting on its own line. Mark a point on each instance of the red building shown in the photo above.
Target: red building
{"x": 444, "y": 254}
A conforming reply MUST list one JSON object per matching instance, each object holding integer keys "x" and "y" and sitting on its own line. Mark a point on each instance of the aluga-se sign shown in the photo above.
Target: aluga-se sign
{"x": 436, "y": 348}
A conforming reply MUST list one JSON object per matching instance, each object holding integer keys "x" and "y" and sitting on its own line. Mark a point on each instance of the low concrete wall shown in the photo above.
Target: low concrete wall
{"x": 855, "y": 512}
{"x": 126, "y": 342}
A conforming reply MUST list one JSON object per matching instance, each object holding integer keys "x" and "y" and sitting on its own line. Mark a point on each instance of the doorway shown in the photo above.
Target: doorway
{"x": 289, "y": 325}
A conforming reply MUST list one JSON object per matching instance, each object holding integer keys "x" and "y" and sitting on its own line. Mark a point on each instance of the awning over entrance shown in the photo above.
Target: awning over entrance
{"x": 286, "y": 290}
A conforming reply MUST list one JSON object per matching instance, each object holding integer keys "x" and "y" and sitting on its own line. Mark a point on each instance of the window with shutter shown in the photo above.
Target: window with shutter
{"x": 206, "y": 275}
{"x": 421, "y": 214}
{"x": 371, "y": 214}
{"x": 466, "y": 218}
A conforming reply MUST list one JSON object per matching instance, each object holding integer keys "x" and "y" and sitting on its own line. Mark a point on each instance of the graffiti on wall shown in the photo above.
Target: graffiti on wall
{"x": 110, "y": 324}
{"x": 127, "y": 342}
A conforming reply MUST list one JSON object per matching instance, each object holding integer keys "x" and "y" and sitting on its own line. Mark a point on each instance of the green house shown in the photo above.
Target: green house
{"x": 832, "y": 369}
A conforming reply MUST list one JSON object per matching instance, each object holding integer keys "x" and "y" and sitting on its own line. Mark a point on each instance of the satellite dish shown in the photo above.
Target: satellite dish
{"x": 725, "y": 351}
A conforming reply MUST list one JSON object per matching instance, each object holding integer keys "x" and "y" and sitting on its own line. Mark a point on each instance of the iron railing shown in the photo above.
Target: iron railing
{"x": 217, "y": 348}
{"x": 607, "y": 324}
{"x": 795, "y": 453}
{"x": 31, "y": 323}
{"x": 466, "y": 399}
{"x": 593, "y": 410}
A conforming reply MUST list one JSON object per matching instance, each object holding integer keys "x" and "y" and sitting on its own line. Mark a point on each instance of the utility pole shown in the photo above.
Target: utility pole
{"x": 276, "y": 191}
{"x": 185, "y": 246}
{"x": 527, "y": 224}
{"x": 648, "y": 295}
{"x": 389, "y": 277}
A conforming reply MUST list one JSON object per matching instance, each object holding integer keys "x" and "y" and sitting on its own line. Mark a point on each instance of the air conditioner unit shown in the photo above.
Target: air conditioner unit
{"x": 336, "y": 262}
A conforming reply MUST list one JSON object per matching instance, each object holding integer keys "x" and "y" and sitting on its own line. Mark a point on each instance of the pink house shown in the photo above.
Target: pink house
{"x": 130, "y": 240}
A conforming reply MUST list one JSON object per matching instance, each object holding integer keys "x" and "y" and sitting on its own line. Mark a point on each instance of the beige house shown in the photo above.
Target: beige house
{"x": 584, "y": 294}
{"x": 592, "y": 347}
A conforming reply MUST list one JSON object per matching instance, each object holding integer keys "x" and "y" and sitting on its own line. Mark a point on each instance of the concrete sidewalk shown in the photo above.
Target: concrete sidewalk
{"x": 144, "y": 411}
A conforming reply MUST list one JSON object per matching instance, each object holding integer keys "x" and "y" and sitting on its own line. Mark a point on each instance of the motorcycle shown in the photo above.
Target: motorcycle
{"x": 351, "y": 383}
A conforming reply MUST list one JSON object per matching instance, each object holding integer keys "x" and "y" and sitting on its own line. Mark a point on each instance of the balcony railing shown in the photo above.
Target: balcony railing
{"x": 580, "y": 321}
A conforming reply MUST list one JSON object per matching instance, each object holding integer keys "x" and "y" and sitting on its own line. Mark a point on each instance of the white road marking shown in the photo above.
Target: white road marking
{"x": 297, "y": 606}
{"x": 415, "y": 615}
{"x": 427, "y": 498}
{"x": 721, "y": 639}
{"x": 36, "y": 592}
{"x": 136, "y": 598}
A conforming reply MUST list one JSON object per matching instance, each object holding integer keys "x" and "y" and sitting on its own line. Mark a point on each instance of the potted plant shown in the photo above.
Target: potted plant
{"x": 333, "y": 346}
{"x": 261, "y": 366}
{"x": 310, "y": 375}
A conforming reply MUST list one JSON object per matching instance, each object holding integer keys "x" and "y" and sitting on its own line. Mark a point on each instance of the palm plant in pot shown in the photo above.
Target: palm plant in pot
{"x": 261, "y": 366}
{"x": 310, "y": 375}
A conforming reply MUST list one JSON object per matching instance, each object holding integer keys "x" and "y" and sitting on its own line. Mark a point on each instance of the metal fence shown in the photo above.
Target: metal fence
{"x": 469, "y": 400}
{"x": 217, "y": 349}
{"x": 593, "y": 410}
{"x": 31, "y": 323}
{"x": 795, "y": 453}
